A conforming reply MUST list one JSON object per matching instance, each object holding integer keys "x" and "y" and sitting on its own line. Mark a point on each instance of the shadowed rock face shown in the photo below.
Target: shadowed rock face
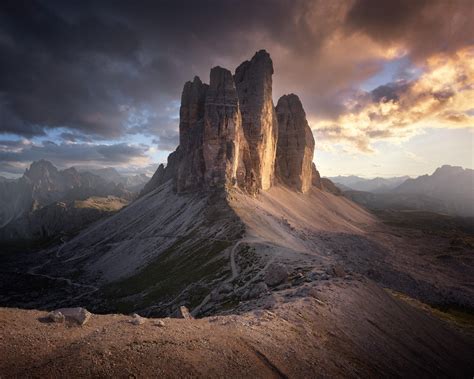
{"x": 190, "y": 172}
{"x": 295, "y": 144}
{"x": 253, "y": 80}
{"x": 316, "y": 177}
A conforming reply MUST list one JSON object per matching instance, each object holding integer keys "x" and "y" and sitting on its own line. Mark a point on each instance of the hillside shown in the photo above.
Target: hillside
{"x": 336, "y": 328}
{"x": 289, "y": 277}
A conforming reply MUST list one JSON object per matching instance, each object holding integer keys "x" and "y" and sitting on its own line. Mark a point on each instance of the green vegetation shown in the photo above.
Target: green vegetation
{"x": 456, "y": 315}
{"x": 170, "y": 273}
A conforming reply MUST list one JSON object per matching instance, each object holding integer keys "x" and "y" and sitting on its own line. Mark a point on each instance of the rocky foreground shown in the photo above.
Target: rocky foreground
{"x": 338, "y": 328}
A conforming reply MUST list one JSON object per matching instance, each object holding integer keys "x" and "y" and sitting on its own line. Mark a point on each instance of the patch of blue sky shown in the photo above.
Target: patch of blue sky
{"x": 392, "y": 70}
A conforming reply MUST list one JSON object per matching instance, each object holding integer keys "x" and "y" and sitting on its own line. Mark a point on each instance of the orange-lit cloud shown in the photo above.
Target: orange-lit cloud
{"x": 443, "y": 96}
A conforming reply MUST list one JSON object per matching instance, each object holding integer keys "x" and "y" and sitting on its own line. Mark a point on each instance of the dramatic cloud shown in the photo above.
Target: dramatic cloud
{"x": 94, "y": 71}
{"x": 441, "y": 97}
{"x": 16, "y": 155}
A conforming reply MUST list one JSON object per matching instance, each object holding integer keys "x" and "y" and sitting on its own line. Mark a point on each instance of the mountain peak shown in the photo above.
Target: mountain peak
{"x": 229, "y": 131}
{"x": 40, "y": 169}
{"x": 448, "y": 170}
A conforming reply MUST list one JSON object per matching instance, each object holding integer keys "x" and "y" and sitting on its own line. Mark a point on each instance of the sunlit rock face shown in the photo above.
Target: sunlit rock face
{"x": 223, "y": 134}
{"x": 229, "y": 133}
{"x": 253, "y": 80}
{"x": 295, "y": 147}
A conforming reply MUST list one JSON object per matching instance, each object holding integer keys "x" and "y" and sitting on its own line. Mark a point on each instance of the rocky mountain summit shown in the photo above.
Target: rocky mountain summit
{"x": 232, "y": 136}
{"x": 241, "y": 229}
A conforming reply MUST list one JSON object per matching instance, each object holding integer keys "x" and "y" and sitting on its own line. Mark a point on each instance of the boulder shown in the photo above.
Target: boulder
{"x": 56, "y": 316}
{"x": 276, "y": 274}
{"x": 77, "y": 315}
{"x": 137, "y": 319}
{"x": 257, "y": 290}
{"x": 338, "y": 271}
{"x": 295, "y": 149}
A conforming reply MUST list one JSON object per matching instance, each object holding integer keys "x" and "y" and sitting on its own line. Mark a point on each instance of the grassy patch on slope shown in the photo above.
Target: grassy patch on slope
{"x": 170, "y": 273}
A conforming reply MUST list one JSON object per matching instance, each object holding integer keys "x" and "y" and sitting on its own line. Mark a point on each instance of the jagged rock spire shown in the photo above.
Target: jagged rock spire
{"x": 222, "y": 130}
{"x": 190, "y": 169}
{"x": 295, "y": 144}
{"x": 229, "y": 131}
{"x": 253, "y": 80}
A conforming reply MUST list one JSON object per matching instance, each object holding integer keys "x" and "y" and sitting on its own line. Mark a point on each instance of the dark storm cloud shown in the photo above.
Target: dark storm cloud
{"x": 422, "y": 26}
{"x": 91, "y": 66}
{"x": 67, "y": 154}
{"x": 76, "y": 64}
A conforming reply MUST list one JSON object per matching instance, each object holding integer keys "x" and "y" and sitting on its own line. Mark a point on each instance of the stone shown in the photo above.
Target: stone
{"x": 137, "y": 319}
{"x": 338, "y": 271}
{"x": 276, "y": 274}
{"x": 78, "y": 315}
{"x": 295, "y": 148}
{"x": 160, "y": 323}
{"x": 257, "y": 290}
{"x": 56, "y": 316}
{"x": 253, "y": 80}
{"x": 183, "y": 312}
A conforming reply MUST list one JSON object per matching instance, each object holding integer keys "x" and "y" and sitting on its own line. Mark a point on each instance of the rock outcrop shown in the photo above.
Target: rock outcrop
{"x": 229, "y": 133}
{"x": 190, "y": 172}
{"x": 295, "y": 147}
{"x": 316, "y": 177}
{"x": 223, "y": 134}
{"x": 253, "y": 80}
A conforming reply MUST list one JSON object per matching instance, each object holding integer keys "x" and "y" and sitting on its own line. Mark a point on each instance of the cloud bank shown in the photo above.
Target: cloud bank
{"x": 111, "y": 72}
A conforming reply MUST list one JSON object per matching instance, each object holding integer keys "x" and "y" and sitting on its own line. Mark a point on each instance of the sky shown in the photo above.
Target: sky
{"x": 387, "y": 86}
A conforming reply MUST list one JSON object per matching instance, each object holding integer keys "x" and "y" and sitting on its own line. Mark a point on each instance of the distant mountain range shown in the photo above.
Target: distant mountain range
{"x": 44, "y": 186}
{"x": 378, "y": 184}
{"x": 133, "y": 183}
{"x": 450, "y": 189}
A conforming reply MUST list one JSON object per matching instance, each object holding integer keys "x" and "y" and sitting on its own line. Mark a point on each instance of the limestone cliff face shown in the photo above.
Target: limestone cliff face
{"x": 190, "y": 168}
{"x": 253, "y": 80}
{"x": 324, "y": 184}
{"x": 316, "y": 177}
{"x": 229, "y": 132}
{"x": 223, "y": 134}
{"x": 295, "y": 147}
